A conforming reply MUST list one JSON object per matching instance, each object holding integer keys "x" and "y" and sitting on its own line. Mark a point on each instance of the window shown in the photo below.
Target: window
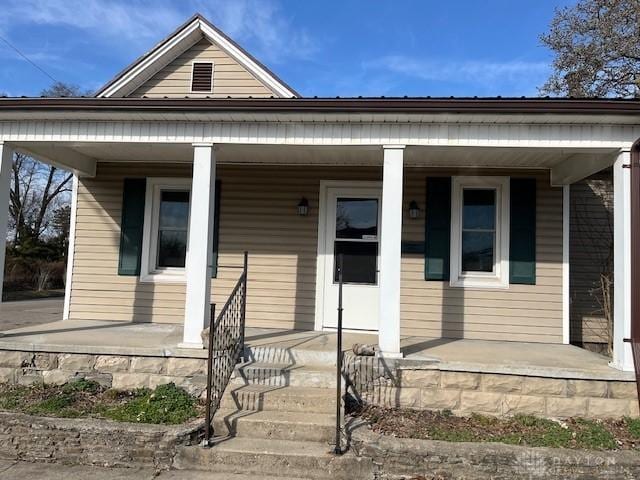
{"x": 202, "y": 77}
{"x": 356, "y": 240}
{"x": 480, "y": 232}
{"x": 166, "y": 229}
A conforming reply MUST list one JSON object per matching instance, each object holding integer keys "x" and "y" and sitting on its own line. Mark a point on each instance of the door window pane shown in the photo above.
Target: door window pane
{"x": 173, "y": 225}
{"x": 357, "y": 218}
{"x": 478, "y": 230}
{"x": 360, "y": 262}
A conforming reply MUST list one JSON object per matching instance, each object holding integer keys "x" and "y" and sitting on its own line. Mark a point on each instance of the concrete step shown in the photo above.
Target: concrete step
{"x": 298, "y": 356}
{"x": 310, "y": 460}
{"x": 284, "y": 375}
{"x": 299, "y": 426}
{"x": 285, "y": 399}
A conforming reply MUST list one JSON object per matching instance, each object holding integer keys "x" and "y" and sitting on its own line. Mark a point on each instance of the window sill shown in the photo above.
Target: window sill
{"x": 479, "y": 283}
{"x": 163, "y": 277}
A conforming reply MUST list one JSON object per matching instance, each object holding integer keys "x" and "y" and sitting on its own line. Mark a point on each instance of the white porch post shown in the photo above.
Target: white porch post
{"x": 390, "y": 254}
{"x": 622, "y": 357}
{"x": 200, "y": 245}
{"x": 6, "y": 160}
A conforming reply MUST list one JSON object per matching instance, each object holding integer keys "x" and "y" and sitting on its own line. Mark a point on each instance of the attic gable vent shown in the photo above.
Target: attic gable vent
{"x": 202, "y": 77}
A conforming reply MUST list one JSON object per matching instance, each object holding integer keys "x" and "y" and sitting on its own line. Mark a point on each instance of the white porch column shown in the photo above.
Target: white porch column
{"x": 390, "y": 254}
{"x": 200, "y": 245}
{"x": 6, "y": 160}
{"x": 622, "y": 357}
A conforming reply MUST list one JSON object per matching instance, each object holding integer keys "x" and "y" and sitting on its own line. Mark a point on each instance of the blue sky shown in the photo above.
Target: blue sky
{"x": 324, "y": 48}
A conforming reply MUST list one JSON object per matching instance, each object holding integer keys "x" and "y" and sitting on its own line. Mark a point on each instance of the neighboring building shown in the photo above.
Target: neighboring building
{"x": 452, "y": 214}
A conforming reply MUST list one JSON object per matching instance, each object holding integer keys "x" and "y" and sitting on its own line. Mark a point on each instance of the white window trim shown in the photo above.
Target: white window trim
{"x": 213, "y": 68}
{"x": 148, "y": 270}
{"x": 499, "y": 278}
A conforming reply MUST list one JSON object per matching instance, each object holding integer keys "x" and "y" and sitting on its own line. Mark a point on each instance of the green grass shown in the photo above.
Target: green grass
{"x": 60, "y": 406}
{"x": 633, "y": 425}
{"x": 167, "y": 404}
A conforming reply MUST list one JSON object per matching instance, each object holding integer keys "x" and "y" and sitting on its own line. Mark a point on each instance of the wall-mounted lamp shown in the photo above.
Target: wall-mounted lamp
{"x": 303, "y": 207}
{"x": 414, "y": 211}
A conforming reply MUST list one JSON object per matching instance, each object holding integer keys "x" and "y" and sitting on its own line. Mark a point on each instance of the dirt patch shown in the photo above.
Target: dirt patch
{"x": 575, "y": 433}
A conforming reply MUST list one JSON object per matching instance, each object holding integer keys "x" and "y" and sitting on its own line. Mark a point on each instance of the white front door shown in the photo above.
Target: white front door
{"x": 352, "y": 232}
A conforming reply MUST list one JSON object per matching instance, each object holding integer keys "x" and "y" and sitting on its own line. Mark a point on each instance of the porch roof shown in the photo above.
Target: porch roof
{"x": 153, "y": 339}
{"x": 474, "y": 105}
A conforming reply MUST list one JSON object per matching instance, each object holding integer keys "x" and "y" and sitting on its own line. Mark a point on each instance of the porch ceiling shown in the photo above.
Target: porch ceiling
{"x": 566, "y": 165}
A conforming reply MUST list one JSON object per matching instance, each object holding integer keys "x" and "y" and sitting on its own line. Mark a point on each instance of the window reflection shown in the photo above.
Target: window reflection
{"x": 173, "y": 225}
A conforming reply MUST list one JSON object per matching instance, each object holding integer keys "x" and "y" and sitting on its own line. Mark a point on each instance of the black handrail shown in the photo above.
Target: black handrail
{"x": 338, "y": 447}
{"x": 226, "y": 344}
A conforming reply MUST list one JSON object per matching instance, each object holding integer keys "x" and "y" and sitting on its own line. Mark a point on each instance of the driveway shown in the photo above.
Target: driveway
{"x": 23, "y": 313}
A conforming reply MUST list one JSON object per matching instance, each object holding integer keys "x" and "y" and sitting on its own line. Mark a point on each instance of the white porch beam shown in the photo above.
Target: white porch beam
{"x": 200, "y": 245}
{"x": 390, "y": 252}
{"x": 6, "y": 161}
{"x": 579, "y": 166}
{"x": 622, "y": 356}
{"x": 62, "y": 157}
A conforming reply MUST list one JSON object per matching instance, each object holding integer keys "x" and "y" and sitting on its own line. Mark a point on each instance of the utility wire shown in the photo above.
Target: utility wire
{"x": 28, "y": 59}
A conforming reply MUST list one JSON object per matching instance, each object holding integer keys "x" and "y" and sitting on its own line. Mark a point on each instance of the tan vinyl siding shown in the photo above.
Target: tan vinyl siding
{"x": 521, "y": 312}
{"x": 590, "y": 255}
{"x": 258, "y": 213}
{"x": 229, "y": 77}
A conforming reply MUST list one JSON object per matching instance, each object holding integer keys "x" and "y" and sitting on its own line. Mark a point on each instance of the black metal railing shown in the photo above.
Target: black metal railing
{"x": 338, "y": 447}
{"x": 226, "y": 344}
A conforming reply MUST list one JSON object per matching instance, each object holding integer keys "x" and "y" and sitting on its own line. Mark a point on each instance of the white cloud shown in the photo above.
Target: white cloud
{"x": 487, "y": 77}
{"x": 264, "y": 24}
{"x": 142, "y": 23}
{"x": 115, "y": 19}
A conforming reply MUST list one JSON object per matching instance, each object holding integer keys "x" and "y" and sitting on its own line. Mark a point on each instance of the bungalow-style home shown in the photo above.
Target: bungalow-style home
{"x": 451, "y": 215}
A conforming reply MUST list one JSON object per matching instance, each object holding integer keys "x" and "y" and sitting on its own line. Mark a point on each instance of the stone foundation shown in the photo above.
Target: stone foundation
{"x": 116, "y": 371}
{"x": 92, "y": 442}
{"x": 400, "y": 384}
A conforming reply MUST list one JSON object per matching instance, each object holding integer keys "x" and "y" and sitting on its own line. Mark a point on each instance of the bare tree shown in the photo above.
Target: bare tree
{"x": 38, "y": 190}
{"x": 597, "y": 49}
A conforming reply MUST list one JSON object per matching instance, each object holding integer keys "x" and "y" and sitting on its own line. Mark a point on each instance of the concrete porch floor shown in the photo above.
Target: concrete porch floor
{"x": 146, "y": 339}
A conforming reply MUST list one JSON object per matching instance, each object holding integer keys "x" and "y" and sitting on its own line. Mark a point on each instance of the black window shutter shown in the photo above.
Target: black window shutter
{"x": 131, "y": 226}
{"x": 437, "y": 228}
{"x": 216, "y": 231}
{"x": 522, "y": 236}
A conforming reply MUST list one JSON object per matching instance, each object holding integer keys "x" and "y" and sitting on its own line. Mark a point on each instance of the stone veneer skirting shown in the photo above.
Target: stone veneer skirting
{"x": 115, "y": 371}
{"x": 430, "y": 387}
{"x": 419, "y": 385}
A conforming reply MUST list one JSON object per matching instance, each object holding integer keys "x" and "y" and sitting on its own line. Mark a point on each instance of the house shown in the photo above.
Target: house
{"x": 451, "y": 215}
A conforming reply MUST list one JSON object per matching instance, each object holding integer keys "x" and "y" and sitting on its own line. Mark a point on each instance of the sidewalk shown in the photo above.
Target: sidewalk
{"x": 13, "y": 470}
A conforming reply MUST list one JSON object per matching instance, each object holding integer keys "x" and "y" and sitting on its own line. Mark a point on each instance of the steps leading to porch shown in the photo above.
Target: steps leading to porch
{"x": 286, "y": 458}
{"x": 277, "y": 418}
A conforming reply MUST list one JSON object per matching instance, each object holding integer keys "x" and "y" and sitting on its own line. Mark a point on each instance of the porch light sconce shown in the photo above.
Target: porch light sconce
{"x": 414, "y": 211}
{"x": 303, "y": 207}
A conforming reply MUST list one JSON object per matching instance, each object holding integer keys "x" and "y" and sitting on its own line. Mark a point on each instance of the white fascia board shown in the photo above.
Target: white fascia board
{"x": 258, "y": 71}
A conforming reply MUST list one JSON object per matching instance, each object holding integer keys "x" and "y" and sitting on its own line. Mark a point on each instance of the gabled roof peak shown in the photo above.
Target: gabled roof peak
{"x": 185, "y": 36}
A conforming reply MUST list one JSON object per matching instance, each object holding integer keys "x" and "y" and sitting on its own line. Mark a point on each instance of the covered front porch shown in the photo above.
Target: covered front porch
{"x": 269, "y": 163}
